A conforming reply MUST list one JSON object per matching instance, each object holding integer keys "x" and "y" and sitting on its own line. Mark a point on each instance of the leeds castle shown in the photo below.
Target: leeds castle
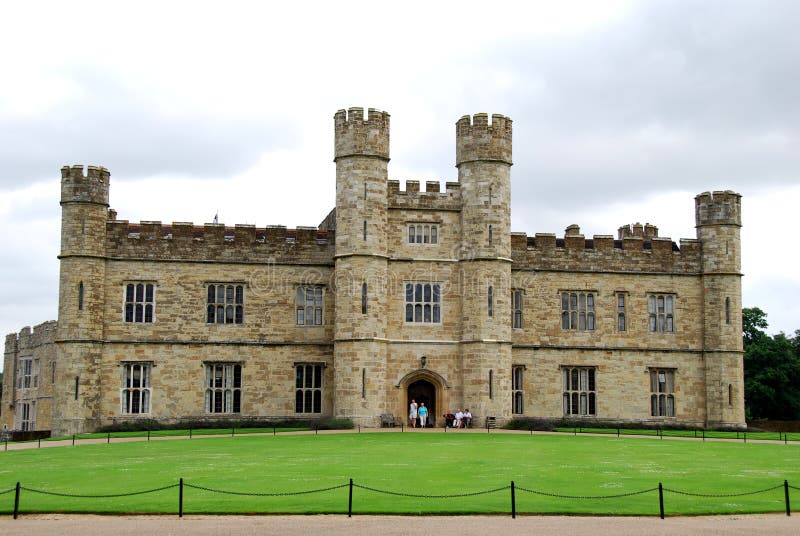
{"x": 397, "y": 294}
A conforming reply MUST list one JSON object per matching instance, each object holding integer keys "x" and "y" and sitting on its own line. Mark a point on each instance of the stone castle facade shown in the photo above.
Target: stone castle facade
{"x": 396, "y": 295}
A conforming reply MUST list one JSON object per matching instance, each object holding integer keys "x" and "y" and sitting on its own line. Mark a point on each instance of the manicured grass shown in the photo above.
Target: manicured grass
{"x": 176, "y": 433}
{"x": 413, "y": 463}
{"x": 697, "y": 434}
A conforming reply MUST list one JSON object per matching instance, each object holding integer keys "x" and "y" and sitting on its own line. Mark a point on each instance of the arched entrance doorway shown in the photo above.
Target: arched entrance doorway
{"x": 423, "y": 391}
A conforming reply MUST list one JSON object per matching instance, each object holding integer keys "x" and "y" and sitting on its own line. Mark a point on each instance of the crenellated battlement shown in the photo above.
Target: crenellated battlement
{"x": 718, "y": 208}
{"x": 88, "y": 187}
{"x": 357, "y": 135}
{"x": 478, "y": 139}
{"x": 545, "y": 251}
{"x": 242, "y": 242}
{"x": 30, "y": 338}
{"x": 432, "y": 198}
{"x": 637, "y": 229}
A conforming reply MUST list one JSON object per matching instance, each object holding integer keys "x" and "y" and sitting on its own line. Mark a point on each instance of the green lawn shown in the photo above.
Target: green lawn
{"x": 412, "y": 463}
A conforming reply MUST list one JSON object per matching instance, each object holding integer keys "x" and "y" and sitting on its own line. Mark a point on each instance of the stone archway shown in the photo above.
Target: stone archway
{"x": 424, "y": 392}
{"x": 427, "y": 386}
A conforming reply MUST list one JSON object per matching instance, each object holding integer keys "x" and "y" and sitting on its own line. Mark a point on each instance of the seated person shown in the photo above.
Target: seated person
{"x": 466, "y": 418}
{"x": 448, "y": 419}
{"x": 457, "y": 421}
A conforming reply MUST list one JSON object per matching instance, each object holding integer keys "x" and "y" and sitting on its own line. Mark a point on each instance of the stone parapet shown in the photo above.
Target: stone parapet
{"x": 545, "y": 251}
{"x": 240, "y": 243}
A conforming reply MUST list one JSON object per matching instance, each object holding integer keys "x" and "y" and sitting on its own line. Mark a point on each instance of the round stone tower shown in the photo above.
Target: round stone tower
{"x": 483, "y": 159}
{"x": 84, "y": 211}
{"x": 718, "y": 220}
{"x": 361, "y": 156}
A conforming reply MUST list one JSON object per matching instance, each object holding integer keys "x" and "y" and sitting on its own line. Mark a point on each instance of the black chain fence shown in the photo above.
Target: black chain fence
{"x": 113, "y": 495}
{"x": 722, "y": 495}
{"x": 267, "y": 494}
{"x": 351, "y": 485}
{"x": 424, "y": 496}
{"x": 560, "y": 496}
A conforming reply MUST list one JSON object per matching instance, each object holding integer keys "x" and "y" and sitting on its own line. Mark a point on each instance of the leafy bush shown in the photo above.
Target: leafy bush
{"x": 141, "y": 425}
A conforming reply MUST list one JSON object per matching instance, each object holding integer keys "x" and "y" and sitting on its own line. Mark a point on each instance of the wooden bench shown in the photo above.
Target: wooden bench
{"x": 389, "y": 420}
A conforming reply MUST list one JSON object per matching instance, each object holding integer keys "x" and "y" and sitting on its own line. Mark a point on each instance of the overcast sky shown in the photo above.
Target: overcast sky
{"x": 623, "y": 112}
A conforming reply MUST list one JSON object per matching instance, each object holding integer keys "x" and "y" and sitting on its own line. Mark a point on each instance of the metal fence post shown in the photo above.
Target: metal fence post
{"x": 180, "y": 498}
{"x": 16, "y": 501}
{"x": 108, "y": 438}
{"x": 40, "y": 443}
{"x": 513, "y": 502}
{"x": 233, "y": 431}
{"x": 148, "y": 434}
{"x": 350, "y": 500}
{"x": 190, "y": 433}
{"x": 274, "y": 430}
{"x": 661, "y": 500}
{"x": 786, "y": 497}
{"x": 745, "y": 437}
{"x": 73, "y": 440}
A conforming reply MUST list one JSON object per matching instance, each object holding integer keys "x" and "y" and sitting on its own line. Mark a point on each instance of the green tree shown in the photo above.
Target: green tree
{"x": 771, "y": 369}
{"x": 754, "y": 322}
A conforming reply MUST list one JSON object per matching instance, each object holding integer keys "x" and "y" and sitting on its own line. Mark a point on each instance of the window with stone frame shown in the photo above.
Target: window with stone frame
{"x": 139, "y": 302}
{"x": 310, "y": 305}
{"x": 308, "y": 388}
{"x": 223, "y": 392}
{"x": 622, "y": 313}
{"x": 580, "y": 390}
{"x": 661, "y": 312}
{"x": 25, "y": 377}
{"x": 419, "y": 233}
{"x": 35, "y": 374}
{"x": 423, "y": 303}
{"x": 516, "y": 308}
{"x": 577, "y": 310}
{"x": 490, "y": 301}
{"x": 136, "y": 392}
{"x": 662, "y": 392}
{"x": 225, "y": 303}
{"x": 517, "y": 394}
{"x": 26, "y": 416}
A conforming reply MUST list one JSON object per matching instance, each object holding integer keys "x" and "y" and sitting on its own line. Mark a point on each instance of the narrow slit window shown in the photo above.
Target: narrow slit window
{"x": 80, "y": 296}
{"x": 365, "y": 229}
{"x": 491, "y": 301}
{"x": 727, "y": 310}
{"x": 490, "y": 235}
{"x": 363, "y": 298}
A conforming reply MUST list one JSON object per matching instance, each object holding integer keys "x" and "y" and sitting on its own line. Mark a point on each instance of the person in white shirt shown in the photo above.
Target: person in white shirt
{"x": 457, "y": 420}
{"x": 466, "y": 418}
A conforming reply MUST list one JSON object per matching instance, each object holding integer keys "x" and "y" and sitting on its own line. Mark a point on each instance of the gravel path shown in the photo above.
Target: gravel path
{"x": 336, "y": 525}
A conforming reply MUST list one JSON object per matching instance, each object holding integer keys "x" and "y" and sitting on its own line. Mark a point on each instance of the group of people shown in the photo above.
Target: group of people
{"x": 459, "y": 419}
{"x": 417, "y": 411}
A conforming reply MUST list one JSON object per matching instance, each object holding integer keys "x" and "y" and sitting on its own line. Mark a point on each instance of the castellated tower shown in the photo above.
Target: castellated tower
{"x": 718, "y": 221}
{"x": 361, "y": 156}
{"x": 84, "y": 211}
{"x": 483, "y": 159}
